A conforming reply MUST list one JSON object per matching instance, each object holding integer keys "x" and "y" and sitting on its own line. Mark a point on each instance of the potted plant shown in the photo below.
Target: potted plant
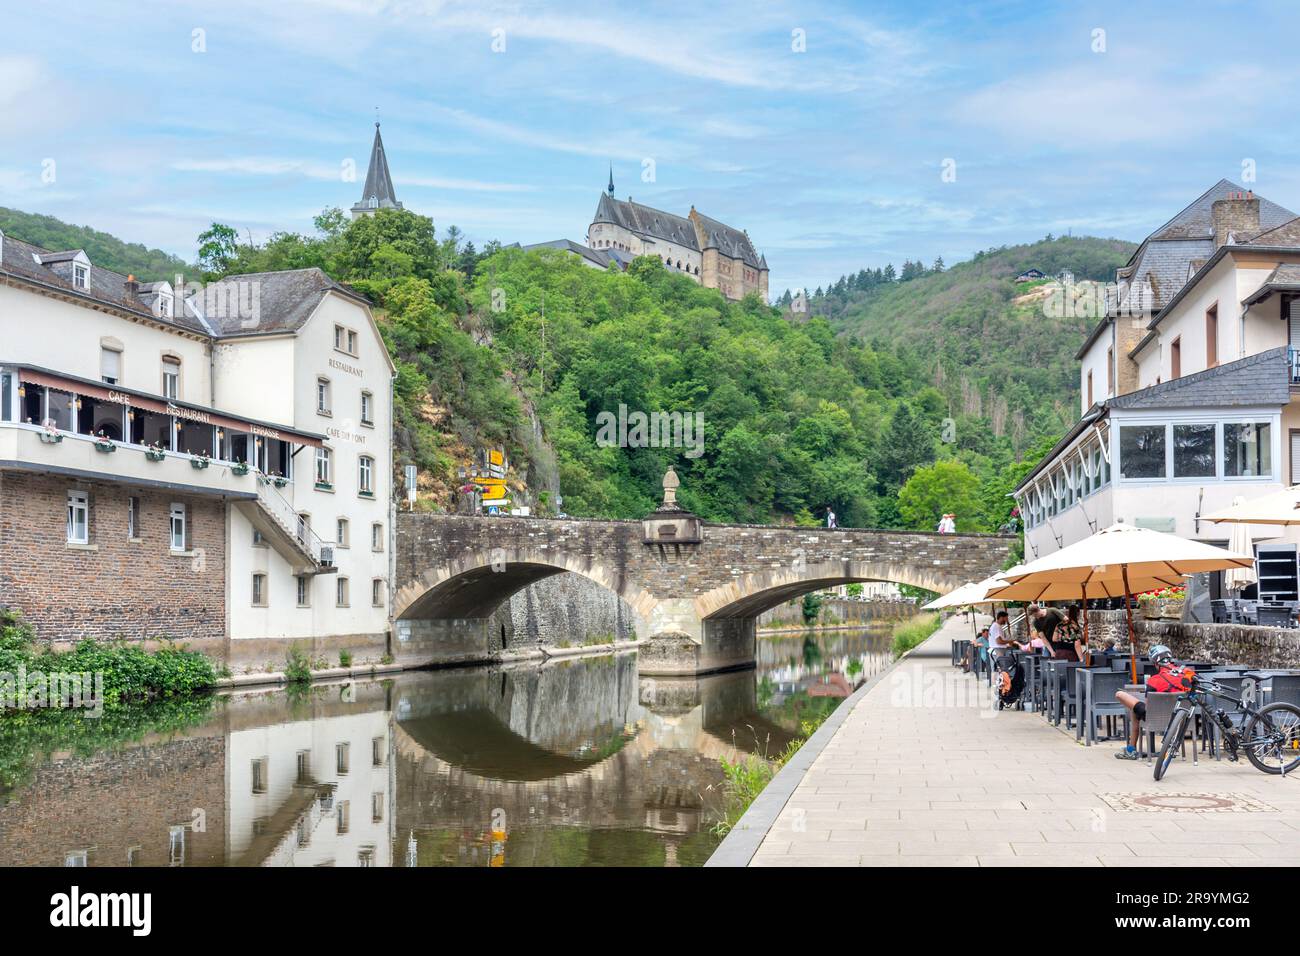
{"x": 50, "y": 433}
{"x": 200, "y": 461}
{"x": 154, "y": 451}
{"x": 240, "y": 468}
{"x": 279, "y": 481}
{"x": 104, "y": 444}
{"x": 1163, "y": 603}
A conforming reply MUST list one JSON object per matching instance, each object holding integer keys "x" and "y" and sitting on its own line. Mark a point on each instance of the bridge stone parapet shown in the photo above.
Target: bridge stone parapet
{"x": 697, "y": 602}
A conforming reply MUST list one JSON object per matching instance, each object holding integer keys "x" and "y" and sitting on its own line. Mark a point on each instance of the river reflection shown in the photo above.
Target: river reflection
{"x": 573, "y": 762}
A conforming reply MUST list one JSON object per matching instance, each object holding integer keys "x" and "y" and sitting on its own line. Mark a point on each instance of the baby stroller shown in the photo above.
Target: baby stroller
{"x": 1008, "y": 681}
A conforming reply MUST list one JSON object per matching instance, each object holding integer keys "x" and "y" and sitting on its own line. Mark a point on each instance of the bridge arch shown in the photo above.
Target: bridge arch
{"x": 477, "y": 582}
{"x": 749, "y": 595}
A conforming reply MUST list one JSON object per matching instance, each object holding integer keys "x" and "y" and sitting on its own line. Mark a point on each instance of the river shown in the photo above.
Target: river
{"x": 575, "y": 762}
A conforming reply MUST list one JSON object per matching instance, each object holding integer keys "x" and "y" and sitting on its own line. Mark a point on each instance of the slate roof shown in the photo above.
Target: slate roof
{"x": 597, "y": 257}
{"x": 285, "y": 301}
{"x": 1163, "y": 260}
{"x": 1260, "y": 379}
{"x": 50, "y": 270}
{"x": 378, "y": 190}
{"x": 646, "y": 221}
{"x": 1285, "y": 278}
{"x": 730, "y": 242}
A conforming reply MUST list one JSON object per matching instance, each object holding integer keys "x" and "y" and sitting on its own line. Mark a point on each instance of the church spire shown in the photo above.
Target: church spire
{"x": 378, "y": 192}
{"x": 610, "y": 187}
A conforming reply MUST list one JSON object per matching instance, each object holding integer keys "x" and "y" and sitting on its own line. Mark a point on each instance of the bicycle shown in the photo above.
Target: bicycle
{"x": 1271, "y": 734}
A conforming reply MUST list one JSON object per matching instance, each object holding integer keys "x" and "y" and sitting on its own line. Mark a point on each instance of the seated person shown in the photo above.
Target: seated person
{"x": 1169, "y": 678}
{"x": 977, "y": 646}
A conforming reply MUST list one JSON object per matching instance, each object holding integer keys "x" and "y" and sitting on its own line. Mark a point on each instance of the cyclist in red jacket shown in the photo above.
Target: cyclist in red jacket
{"x": 1169, "y": 678}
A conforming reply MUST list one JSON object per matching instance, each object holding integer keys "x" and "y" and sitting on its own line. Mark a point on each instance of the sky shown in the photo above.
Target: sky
{"x": 841, "y": 136}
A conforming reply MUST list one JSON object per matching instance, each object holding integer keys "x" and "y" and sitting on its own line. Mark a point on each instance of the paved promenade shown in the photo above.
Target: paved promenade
{"x": 923, "y": 772}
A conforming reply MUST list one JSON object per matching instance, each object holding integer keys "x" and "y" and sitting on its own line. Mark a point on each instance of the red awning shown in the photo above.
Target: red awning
{"x": 185, "y": 412}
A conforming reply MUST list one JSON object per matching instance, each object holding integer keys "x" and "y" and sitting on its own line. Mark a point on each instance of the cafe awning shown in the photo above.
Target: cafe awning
{"x": 163, "y": 406}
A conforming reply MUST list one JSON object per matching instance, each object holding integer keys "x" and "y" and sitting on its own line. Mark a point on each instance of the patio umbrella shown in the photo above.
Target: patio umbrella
{"x": 1238, "y": 579}
{"x": 1281, "y": 507}
{"x": 957, "y": 597}
{"x": 1112, "y": 560}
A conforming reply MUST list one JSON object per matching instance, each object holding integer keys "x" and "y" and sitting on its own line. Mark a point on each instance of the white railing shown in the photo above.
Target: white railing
{"x": 293, "y": 524}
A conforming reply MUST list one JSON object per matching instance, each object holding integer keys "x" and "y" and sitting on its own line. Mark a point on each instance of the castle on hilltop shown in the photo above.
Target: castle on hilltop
{"x": 712, "y": 253}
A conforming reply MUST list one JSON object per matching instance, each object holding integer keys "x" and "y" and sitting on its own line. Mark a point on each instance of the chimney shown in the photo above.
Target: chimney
{"x": 1237, "y": 215}
{"x": 132, "y": 287}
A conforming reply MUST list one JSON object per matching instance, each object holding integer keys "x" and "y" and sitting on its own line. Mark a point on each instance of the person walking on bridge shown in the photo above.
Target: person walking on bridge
{"x": 831, "y": 521}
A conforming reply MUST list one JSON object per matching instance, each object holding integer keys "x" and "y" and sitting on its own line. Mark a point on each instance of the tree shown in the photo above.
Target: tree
{"x": 908, "y": 443}
{"x": 938, "y": 489}
{"x": 218, "y": 247}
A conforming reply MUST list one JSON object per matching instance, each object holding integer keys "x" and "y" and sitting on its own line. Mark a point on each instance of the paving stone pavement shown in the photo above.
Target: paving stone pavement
{"x": 925, "y": 772}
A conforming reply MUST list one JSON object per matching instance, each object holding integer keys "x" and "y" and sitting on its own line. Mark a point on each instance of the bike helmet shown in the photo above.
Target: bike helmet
{"x": 1160, "y": 654}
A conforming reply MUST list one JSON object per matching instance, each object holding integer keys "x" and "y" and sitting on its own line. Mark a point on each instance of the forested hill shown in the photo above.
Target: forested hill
{"x": 909, "y": 398}
{"x": 129, "y": 258}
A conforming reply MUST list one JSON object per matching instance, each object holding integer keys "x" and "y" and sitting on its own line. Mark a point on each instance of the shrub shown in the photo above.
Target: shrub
{"x": 908, "y": 634}
{"x": 297, "y": 668}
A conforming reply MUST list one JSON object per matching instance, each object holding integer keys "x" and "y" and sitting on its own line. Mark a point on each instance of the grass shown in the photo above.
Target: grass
{"x": 745, "y": 778}
{"x": 908, "y": 634}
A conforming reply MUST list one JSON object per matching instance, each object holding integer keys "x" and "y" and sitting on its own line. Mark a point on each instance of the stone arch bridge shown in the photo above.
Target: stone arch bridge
{"x": 695, "y": 590}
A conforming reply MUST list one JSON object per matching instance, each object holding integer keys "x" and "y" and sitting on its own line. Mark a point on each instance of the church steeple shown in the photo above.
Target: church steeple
{"x": 610, "y": 188}
{"x": 378, "y": 192}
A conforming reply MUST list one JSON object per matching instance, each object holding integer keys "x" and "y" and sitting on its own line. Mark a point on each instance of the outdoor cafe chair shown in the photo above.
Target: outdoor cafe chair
{"x": 1160, "y": 708}
{"x": 1100, "y": 686}
{"x": 1071, "y": 693}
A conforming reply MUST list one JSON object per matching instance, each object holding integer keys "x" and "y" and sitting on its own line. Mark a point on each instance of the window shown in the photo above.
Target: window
{"x": 178, "y": 526}
{"x": 1142, "y": 451}
{"x": 133, "y": 517}
{"x": 1194, "y": 451}
{"x": 110, "y": 365}
{"x": 377, "y": 592}
{"x": 171, "y": 378}
{"x": 1247, "y": 449}
{"x": 165, "y": 305}
{"x": 322, "y": 466}
{"x": 376, "y": 537}
{"x": 79, "y": 276}
{"x": 365, "y": 472}
{"x": 1110, "y": 371}
{"x": 258, "y": 540}
{"x": 1176, "y": 358}
{"x": 377, "y": 752}
{"x": 341, "y": 592}
{"x": 77, "y": 858}
{"x": 304, "y": 766}
{"x": 345, "y": 340}
{"x": 304, "y": 590}
{"x": 323, "y": 396}
{"x": 1212, "y": 336}
{"x": 344, "y": 816}
{"x": 259, "y": 775}
{"x": 1090, "y": 389}
{"x": 176, "y": 846}
{"x": 366, "y": 857}
{"x": 78, "y": 517}
{"x": 342, "y": 758}
{"x": 259, "y": 590}
{"x": 367, "y": 408}
{"x": 341, "y": 533}
{"x": 376, "y": 808}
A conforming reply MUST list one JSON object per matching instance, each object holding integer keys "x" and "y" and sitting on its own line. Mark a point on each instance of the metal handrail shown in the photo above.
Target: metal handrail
{"x": 279, "y": 508}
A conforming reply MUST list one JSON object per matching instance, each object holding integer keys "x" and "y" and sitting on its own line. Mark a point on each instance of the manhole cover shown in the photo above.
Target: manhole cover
{"x": 1185, "y": 802}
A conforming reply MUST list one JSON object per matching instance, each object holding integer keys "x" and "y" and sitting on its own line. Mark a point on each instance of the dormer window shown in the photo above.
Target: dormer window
{"x": 79, "y": 275}
{"x": 165, "y": 305}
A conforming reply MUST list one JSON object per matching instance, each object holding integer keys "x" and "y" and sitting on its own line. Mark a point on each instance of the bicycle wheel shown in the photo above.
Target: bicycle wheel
{"x": 1172, "y": 741}
{"x": 1272, "y": 738}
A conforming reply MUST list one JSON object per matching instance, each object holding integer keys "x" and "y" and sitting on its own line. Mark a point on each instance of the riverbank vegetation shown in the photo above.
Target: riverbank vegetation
{"x": 910, "y": 633}
{"x": 747, "y": 776}
{"x": 130, "y": 674}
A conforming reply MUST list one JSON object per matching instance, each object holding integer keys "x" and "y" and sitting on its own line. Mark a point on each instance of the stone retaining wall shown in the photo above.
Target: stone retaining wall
{"x": 1219, "y": 643}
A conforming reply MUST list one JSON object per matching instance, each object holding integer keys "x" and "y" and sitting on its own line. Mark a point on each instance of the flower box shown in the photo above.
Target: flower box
{"x": 279, "y": 481}
{"x": 51, "y": 438}
{"x": 239, "y": 468}
{"x": 324, "y": 486}
{"x": 155, "y": 454}
{"x": 199, "y": 462}
{"x": 105, "y": 446}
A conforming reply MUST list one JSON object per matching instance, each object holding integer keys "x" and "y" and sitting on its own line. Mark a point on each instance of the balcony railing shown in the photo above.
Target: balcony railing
{"x": 1293, "y": 360}
{"x": 292, "y": 523}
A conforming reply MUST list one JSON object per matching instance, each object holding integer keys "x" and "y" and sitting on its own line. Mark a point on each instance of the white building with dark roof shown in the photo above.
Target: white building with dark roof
{"x": 212, "y": 465}
{"x": 1188, "y": 389}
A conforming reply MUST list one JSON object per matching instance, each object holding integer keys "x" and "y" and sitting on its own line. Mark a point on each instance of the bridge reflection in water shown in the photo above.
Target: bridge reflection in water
{"x": 575, "y": 762}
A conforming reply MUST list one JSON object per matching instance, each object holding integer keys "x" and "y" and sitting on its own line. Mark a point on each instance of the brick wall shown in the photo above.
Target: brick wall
{"x": 132, "y": 589}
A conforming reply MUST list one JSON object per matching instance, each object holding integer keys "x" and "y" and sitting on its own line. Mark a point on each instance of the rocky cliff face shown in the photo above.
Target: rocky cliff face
{"x": 566, "y": 610}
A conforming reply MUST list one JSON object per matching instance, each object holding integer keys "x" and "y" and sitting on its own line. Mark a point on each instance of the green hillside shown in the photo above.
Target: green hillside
{"x": 129, "y": 258}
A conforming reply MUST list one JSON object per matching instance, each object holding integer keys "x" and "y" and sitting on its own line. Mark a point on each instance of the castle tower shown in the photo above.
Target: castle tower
{"x": 378, "y": 192}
